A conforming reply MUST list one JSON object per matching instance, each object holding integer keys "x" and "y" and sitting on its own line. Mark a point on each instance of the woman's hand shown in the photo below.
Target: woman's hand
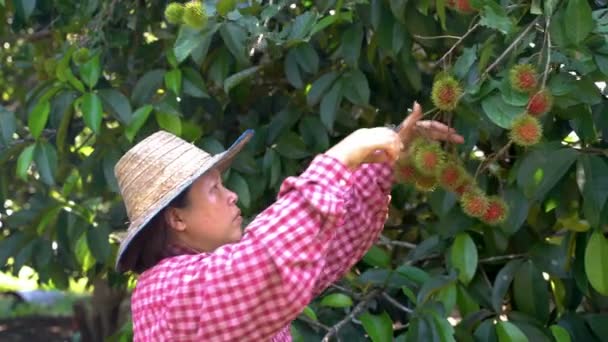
{"x": 367, "y": 145}
{"x": 412, "y": 127}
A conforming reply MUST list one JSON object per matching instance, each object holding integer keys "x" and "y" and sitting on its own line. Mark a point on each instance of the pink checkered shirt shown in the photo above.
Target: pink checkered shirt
{"x": 322, "y": 223}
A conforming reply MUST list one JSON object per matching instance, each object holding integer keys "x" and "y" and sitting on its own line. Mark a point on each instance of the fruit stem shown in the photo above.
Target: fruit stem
{"x": 491, "y": 158}
{"x": 548, "y": 38}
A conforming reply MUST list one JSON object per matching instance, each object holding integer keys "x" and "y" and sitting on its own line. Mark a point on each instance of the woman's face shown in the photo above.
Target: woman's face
{"x": 211, "y": 218}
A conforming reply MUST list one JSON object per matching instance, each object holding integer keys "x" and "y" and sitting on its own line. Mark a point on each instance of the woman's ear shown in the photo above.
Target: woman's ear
{"x": 174, "y": 217}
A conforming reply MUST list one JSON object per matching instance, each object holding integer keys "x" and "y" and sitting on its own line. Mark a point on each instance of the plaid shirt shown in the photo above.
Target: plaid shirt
{"x": 321, "y": 224}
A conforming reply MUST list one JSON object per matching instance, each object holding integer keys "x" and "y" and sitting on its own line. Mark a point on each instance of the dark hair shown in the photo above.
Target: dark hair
{"x": 148, "y": 247}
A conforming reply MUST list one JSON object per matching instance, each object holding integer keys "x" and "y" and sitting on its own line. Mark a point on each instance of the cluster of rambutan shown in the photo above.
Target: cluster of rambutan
{"x": 191, "y": 14}
{"x": 428, "y": 166}
{"x": 461, "y": 6}
{"x": 526, "y": 129}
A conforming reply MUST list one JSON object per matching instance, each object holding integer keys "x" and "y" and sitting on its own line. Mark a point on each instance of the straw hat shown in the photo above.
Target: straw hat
{"x": 155, "y": 171}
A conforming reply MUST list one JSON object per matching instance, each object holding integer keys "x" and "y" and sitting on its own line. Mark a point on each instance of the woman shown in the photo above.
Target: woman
{"x": 201, "y": 280}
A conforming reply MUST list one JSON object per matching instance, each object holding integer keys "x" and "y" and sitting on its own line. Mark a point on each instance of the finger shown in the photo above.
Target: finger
{"x": 407, "y": 126}
{"x": 438, "y": 134}
{"x": 438, "y": 131}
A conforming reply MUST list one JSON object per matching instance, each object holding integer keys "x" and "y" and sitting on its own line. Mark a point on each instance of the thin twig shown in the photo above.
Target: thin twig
{"x": 312, "y": 322}
{"x": 396, "y": 303}
{"x": 356, "y": 310}
{"x": 491, "y": 158}
{"x": 548, "y": 38}
{"x": 388, "y": 242}
{"x": 506, "y": 52}
{"x": 473, "y": 28}
{"x": 437, "y": 37}
{"x": 501, "y": 258}
{"x": 350, "y": 292}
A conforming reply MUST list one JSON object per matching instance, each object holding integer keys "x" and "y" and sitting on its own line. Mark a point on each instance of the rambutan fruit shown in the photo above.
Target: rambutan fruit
{"x": 526, "y": 130}
{"x": 194, "y": 15}
{"x": 451, "y": 175}
{"x": 405, "y": 172}
{"x": 446, "y": 93}
{"x": 474, "y": 203}
{"x": 523, "y": 77}
{"x": 467, "y": 185}
{"x": 429, "y": 159}
{"x": 462, "y": 6}
{"x": 425, "y": 182}
{"x": 496, "y": 212}
{"x": 540, "y": 103}
{"x": 174, "y": 13}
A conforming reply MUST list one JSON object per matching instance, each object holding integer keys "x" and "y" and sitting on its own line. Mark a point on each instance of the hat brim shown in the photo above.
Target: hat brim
{"x": 221, "y": 161}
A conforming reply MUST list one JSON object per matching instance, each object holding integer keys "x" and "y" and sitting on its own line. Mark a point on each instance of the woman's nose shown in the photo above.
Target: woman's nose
{"x": 232, "y": 197}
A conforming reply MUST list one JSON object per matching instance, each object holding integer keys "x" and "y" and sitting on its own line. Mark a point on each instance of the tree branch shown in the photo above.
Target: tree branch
{"x": 548, "y": 38}
{"x": 473, "y": 28}
{"x": 360, "y": 307}
{"x": 385, "y": 241}
{"x": 506, "y": 52}
{"x": 501, "y": 258}
{"x": 396, "y": 303}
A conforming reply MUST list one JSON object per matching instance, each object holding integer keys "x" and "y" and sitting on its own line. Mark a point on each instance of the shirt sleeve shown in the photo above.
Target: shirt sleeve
{"x": 252, "y": 289}
{"x": 366, "y": 212}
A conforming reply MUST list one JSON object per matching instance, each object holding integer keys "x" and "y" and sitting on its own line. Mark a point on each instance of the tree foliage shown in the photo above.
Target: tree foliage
{"x": 82, "y": 81}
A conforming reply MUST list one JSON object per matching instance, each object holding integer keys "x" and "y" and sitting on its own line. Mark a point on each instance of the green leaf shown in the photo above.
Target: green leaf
{"x": 495, "y": 17}
{"x": 291, "y": 146}
{"x": 531, "y": 291}
{"x": 330, "y": 20}
{"x": 302, "y": 26}
{"x": 8, "y": 125}
{"x": 109, "y": 162}
{"x": 225, "y": 6}
{"x": 320, "y": 87}
{"x": 560, "y": 334}
{"x": 238, "y": 184}
{"x": 235, "y": 79}
{"x": 447, "y": 296}
{"x": 307, "y": 58}
{"x": 378, "y": 327}
{"x": 465, "y": 62}
{"x": 414, "y": 274}
{"x": 187, "y": 40}
{"x": 356, "y": 88}
{"x": 337, "y": 300}
{"x": 193, "y": 83}
{"x": 596, "y": 262}
{"x": 509, "y": 332}
{"x": 378, "y": 257}
{"x": 292, "y": 70}
{"x": 173, "y": 81}
{"x": 503, "y": 282}
{"x": 310, "y": 313}
{"x": 169, "y": 122}
{"x": 97, "y": 240}
{"x": 24, "y": 8}
{"x": 90, "y": 71}
{"x": 598, "y": 324}
{"x": 24, "y": 161}
{"x": 595, "y": 190}
{"x": 139, "y": 118}
{"x": 83, "y": 253}
{"x": 314, "y": 134}
{"x": 398, "y": 9}
{"x": 443, "y": 327}
{"x": 466, "y": 303}
{"x": 235, "y": 38}
{"x": 45, "y": 157}
{"x": 464, "y": 257}
{"x": 330, "y": 104}
{"x": 92, "y": 111}
{"x": 500, "y": 112}
{"x": 117, "y": 104}
{"x": 147, "y": 86}
{"x": 518, "y": 206}
{"x": 535, "y": 7}
{"x": 351, "y": 44}
{"x": 542, "y": 169}
{"x": 580, "y": 21}
{"x": 38, "y": 117}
